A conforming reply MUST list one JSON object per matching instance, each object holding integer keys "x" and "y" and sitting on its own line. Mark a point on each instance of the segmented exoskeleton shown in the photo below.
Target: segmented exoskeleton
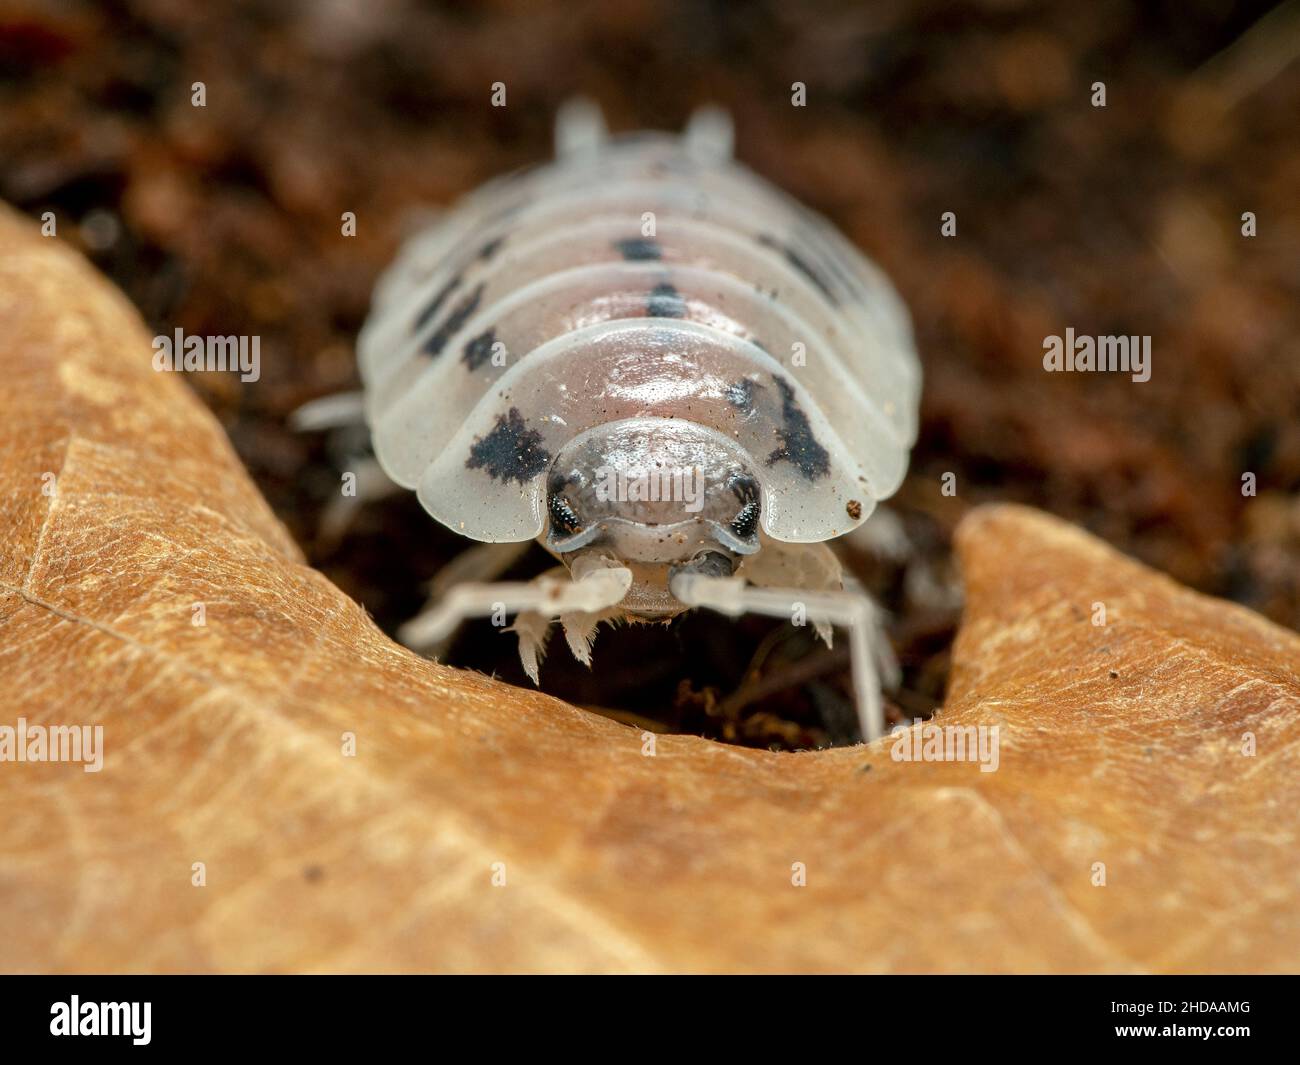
{"x": 675, "y": 377}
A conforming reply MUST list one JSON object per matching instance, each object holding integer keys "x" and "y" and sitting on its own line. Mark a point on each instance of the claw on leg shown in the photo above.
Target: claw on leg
{"x": 533, "y": 630}
{"x": 825, "y": 631}
{"x": 580, "y": 632}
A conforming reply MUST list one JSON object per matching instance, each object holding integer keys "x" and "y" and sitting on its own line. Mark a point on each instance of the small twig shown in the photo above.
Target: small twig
{"x": 783, "y": 677}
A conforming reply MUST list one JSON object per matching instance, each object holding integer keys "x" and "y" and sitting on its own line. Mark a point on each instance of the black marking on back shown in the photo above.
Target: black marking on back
{"x": 438, "y": 340}
{"x": 799, "y": 263}
{"x": 478, "y": 351}
{"x": 741, "y": 395}
{"x": 665, "y": 302}
{"x": 639, "y": 249}
{"x": 490, "y": 248}
{"x": 557, "y": 482}
{"x": 798, "y": 445}
{"x": 434, "y": 305}
{"x": 511, "y": 451}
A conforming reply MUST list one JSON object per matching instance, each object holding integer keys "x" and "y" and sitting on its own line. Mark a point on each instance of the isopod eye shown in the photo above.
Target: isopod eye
{"x": 563, "y": 517}
{"x": 745, "y": 523}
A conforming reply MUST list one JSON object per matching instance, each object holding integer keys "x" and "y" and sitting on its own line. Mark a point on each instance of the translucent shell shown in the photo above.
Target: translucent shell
{"x": 637, "y": 281}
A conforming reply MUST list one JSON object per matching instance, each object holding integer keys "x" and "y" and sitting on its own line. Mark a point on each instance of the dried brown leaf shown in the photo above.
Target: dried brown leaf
{"x": 223, "y": 745}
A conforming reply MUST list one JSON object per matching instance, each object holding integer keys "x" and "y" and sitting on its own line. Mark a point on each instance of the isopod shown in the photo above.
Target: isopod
{"x": 676, "y": 378}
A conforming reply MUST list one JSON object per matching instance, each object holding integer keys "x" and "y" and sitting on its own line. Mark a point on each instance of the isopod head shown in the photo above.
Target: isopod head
{"x": 655, "y": 495}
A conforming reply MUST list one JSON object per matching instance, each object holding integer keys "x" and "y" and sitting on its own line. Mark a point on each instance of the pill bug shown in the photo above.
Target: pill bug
{"x": 676, "y": 378}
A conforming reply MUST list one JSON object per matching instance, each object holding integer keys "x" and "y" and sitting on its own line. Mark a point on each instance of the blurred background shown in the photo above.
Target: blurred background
{"x": 1117, "y": 220}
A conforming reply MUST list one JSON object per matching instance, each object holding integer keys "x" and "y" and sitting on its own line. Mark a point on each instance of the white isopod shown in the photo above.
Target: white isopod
{"x": 675, "y": 377}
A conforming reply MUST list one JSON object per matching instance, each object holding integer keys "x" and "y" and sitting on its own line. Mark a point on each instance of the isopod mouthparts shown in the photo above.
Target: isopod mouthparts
{"x": 705, "y": 564}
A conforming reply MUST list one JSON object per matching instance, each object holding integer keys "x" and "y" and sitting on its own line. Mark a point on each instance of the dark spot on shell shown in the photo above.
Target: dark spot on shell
{"x": 741, "y": 395}
{"x": 557, "y": 482}
{"x": 854, "y": 509}
{"x": 490, "y": 248}
{"x": 665, "y": 302}
{"x": 478, "y": 352}
{"x": 800, "y": 264}
{"x": 639, "y": 249}
{"x": 438, "y": 340}
{"x": 434, "y": 305}
{"x": 798, "y": 445}
{"x": 511, "y": 451}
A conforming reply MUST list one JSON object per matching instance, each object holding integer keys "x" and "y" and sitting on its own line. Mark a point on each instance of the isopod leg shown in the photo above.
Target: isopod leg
{"x": 336, "y": 411}
{"x": 480, "y": 564}
{"x": 546, "y": 597}
{"x": 811, "y": 566}
{"x": 369, "y": 484}
{"x": 579, "y": 627}
{"x": 888, "y": 671}
{"x": 579, "y": 128}
{"x": 363, "y": 480}
{"x": 709, "y": 134}
{"x": 851, "y": 608}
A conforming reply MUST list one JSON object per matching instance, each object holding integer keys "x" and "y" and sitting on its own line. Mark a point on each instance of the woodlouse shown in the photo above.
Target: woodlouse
{"x": 675, "y": 377}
